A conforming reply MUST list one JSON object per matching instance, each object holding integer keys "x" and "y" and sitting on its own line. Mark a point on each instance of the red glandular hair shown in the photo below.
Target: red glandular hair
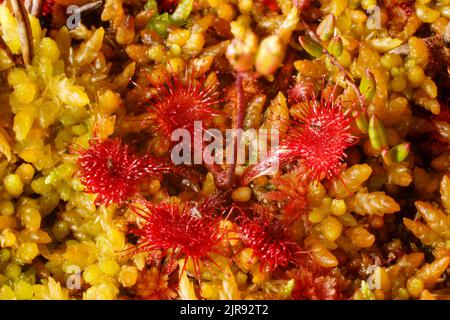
{"x": 114, "y": 172}
{"x": 317, "y": 140}
{"x": 321, "y": 140}
{"x": 180, "y": 102}
{"x": 269, "y": 241}
{"x": 189, "y": 232}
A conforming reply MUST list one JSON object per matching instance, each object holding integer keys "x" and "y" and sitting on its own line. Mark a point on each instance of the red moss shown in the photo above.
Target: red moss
{"x": 269, "y": 240}
{"x": 400, "y": 8}
{"x": 317, "y": 141}
{"x": 114, "y": 172}
{"x": 398, "y": 12}
{"x": 432, "y": 142}
{"x": 313, "y": 282}
{"x": 153, "y": 284}
{"x": 290, "y": 195}
{"x": 191, "y": 231}
{"x": 179, "y": 103}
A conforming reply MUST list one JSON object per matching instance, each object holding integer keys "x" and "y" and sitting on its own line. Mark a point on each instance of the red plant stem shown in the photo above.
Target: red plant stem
{"x": 237, "y": 124}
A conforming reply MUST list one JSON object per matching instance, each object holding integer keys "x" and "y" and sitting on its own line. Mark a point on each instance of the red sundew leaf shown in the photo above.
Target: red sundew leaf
{"x": 179, "y": 103}
{"x": 325, "y": 135}
{"x": 112, "y": 171}
{"x": 317, "y": 141}
{"x": 268, "y": 238}
{"x": 191, "y": 232}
